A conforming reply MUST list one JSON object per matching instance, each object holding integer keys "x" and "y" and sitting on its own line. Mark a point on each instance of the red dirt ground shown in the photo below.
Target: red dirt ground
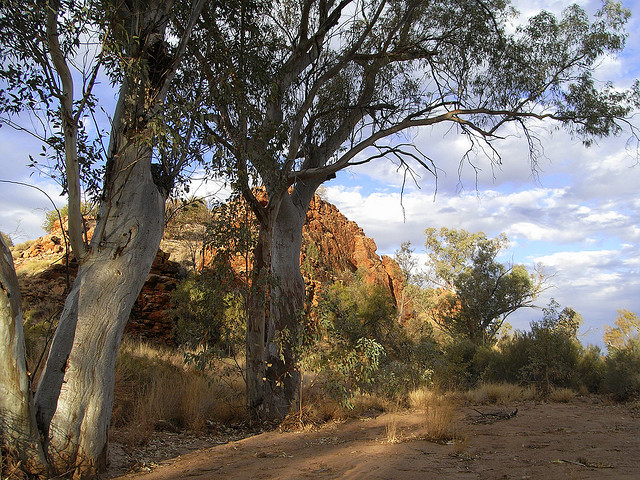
{"x": 585, "y": 439}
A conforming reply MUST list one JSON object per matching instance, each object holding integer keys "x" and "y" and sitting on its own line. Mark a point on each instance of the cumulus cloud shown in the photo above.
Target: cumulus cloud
{"x": 579, "y": 218}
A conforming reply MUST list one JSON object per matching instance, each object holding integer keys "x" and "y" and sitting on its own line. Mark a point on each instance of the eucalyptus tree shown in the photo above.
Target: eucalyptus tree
{"x": 474, "y": 292}
{"x": 53, "y": 54}
{"x": 293, "y": 92}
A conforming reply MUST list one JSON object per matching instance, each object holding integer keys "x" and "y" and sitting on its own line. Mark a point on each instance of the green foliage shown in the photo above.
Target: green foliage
{"x": 232, "y": 231}
{"x": 211, "y": 306}
{"x": 7, "y": 239}
{"x": 210, "y": 314}
{"x": 456, "y": 368}
{"x": 407, "y": 262}
{"x": 591, "y": 369}
{"x": 549, "y": 355}
{"x": 475, "y": 293}
{"x": 51, "y": 217}
{"x": 622, "y": 372}
{"x": 355, "y": 319}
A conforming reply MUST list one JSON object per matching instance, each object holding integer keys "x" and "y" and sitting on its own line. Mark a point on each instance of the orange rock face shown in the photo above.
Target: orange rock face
{"x": 151, "y": 314}
{"x": 332, "y": 245}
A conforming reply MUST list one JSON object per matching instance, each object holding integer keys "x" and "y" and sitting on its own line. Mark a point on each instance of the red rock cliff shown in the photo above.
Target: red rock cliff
{"x": 332, "y": 246}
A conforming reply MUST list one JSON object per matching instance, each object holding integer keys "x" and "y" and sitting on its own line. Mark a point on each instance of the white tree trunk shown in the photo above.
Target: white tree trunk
{"x": 17, "y": 426}
{"x": 287, "y": 298}
{"x": 75, "y": 395}
{"x": 108, "y": 284}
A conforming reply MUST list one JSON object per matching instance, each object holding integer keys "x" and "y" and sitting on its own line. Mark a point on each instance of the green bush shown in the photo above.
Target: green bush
{"x": 7, "y": 239}
{"x": 456, "y": 368}
{"x": 622, "y": 372}
{"x": 592, "y": 369}
{"x": 548, "y": 356}
{"x": 210, "y": 314}
{"x": 350, "y": 311}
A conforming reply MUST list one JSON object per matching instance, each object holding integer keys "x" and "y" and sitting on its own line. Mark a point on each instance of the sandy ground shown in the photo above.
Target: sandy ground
{"x": 585, "y": 439}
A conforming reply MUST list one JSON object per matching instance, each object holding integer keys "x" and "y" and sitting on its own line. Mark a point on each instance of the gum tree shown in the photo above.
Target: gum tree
{"x": 293, "y": 92}
{"x": 474, "y": 292}
{"x": 53, "y": 52}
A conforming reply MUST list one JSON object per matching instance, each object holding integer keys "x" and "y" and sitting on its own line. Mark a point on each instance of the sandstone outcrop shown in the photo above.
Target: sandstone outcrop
{"x": 45, "y": 292}
{"x": 332, "y": 246}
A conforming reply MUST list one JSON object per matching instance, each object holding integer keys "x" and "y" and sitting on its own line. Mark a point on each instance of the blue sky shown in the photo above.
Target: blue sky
{"x": 579, "y": 216}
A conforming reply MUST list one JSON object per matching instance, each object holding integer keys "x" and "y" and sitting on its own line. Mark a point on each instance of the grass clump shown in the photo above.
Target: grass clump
{"x": 562, "y": 395}
{"x": 392, "y": 432}
{"x": 438, "y": 420}
{"x": 499, "y": 394}
{"x": 155, "y": 390}
{"x": 439, "y": 415}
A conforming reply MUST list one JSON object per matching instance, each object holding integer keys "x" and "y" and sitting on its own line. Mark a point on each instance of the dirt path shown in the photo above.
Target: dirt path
{"x": 579, "y": 440}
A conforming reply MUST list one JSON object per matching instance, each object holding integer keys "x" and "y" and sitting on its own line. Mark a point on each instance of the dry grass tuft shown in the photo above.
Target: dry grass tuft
{"x": 155, "y": 390}
{"x": 499, "y": 394}
{"x": 562, "y": 395}
{"x": 366, "y": 403}
{"x": 438, "y": 422}
{"x": 422, "y": 398}
{"x": 393, "y": 434}
{"x": 439, "y": 416}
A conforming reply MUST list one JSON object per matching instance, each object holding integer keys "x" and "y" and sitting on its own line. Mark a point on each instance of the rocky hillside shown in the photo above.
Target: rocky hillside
{"x": 332, "y": 246}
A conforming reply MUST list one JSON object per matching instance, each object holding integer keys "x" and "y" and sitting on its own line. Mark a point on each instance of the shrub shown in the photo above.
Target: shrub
{"x": 622, "y": 372}
{"x": 548, "y": 355}
{"x": 591, "y": 369}
{"x": 210, "y": 314}
{"x": 7, "y": 239}
{"x": 400, "y": 356}
{"x": 456, "y": 368}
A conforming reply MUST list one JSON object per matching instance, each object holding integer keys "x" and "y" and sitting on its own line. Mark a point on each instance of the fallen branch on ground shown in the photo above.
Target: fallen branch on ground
{"x": 493, "y": 417}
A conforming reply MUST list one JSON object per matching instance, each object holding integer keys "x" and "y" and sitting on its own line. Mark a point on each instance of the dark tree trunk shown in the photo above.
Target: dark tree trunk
{"x": 256, "y": 315}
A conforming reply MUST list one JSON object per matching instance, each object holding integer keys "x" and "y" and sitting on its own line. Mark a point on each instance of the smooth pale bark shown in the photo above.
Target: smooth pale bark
{"x": 75, "y": 397}
{"x": 70, "y": 129}
{"x": 17, "y": 422}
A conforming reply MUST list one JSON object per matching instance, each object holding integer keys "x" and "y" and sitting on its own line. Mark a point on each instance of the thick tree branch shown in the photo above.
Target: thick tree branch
{"x": 70, "y": 129}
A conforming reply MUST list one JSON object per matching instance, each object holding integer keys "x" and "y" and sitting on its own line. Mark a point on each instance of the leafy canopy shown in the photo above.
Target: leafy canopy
{"x": 475, "y": 293}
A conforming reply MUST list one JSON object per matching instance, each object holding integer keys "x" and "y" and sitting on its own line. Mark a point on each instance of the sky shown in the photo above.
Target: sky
{"x": 577, "y": 214}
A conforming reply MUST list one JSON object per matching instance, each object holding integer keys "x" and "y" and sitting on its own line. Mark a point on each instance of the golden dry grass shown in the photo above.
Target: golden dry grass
{"x": 155, "y": 389}
{"x": 392, "y": 433}
{"x": 423, "y": 397}
{"x": 439, "y": 415}
{"x": 562, "y": 395}
{"x": 499, "y": 394}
